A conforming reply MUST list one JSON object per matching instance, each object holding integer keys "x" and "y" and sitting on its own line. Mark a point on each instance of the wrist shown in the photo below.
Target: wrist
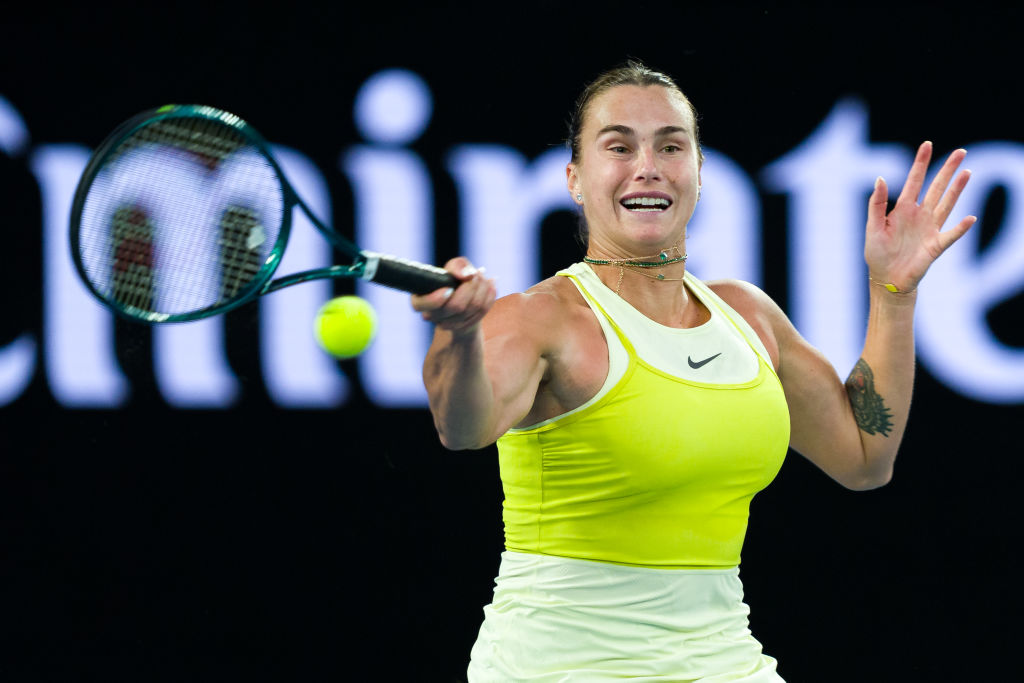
{"x": 892, "y": 288}
{"x": 884, "y": 299}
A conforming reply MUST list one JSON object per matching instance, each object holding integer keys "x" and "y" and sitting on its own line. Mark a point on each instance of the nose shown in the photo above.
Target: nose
{"x": 647, "y": 165}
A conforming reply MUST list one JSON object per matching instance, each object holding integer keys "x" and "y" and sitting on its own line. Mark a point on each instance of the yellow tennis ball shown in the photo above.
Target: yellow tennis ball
{"x": 345, "y": 326}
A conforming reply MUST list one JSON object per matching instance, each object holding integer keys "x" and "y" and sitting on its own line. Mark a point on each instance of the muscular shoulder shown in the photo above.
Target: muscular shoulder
{"x": 552, "y": 321}
{"x": 757, "y": 309}
{"x": 544, "y": 312}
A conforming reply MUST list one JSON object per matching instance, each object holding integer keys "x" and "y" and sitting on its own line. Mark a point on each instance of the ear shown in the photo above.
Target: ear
{"x": 572, "y": 181}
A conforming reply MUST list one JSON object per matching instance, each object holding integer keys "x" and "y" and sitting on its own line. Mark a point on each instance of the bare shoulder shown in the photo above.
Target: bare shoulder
{"x": 757, "y": 308}
{"x": 545, "y": 302}
{"x": 552, "y": 324}
{"x": 742, "y": 296}
{"x": 553, "y": 321}
{"x": 544, "y": 310}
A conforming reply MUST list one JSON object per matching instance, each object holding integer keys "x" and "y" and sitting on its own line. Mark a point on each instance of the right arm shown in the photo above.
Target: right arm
{"x": 486, "y": 361}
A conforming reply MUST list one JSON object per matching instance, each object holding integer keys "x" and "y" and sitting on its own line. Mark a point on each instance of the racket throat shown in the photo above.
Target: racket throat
{"x": 366, "y": 268}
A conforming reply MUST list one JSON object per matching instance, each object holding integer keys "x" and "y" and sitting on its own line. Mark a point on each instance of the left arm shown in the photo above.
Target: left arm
{"x": 852, "y": 429}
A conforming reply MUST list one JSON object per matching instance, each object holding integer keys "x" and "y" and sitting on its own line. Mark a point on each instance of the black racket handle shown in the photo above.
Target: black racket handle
{"x": 406, "y": 275}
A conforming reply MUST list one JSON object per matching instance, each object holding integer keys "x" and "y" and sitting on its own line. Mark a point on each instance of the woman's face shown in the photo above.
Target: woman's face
{"x": 638, "y": 170}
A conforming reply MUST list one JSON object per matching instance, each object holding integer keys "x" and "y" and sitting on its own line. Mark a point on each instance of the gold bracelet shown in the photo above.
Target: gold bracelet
{"x": 891, "y": 287}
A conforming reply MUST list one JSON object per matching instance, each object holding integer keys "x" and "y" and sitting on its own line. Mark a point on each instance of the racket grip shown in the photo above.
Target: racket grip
{"x": 406, "y": 275}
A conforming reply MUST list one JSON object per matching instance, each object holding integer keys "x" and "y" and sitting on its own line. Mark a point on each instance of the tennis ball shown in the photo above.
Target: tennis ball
{"x": 345, "y": 326}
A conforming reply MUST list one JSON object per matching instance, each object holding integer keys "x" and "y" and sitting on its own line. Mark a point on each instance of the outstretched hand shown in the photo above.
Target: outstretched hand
{"x": 900, "y": 246}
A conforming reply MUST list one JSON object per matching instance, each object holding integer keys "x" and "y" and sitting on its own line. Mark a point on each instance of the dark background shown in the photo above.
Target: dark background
{"x": 262, "y": 544}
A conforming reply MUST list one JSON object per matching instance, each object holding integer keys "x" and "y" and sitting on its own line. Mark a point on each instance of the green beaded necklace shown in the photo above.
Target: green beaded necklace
{"x": 665, "y": 261}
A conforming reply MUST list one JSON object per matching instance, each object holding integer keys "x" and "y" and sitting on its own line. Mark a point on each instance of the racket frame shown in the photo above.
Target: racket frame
{"x": 387, "y": 270}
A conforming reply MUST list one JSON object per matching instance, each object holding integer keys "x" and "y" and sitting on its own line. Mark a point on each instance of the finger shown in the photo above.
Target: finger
{"x": 878, "y": 203}
{"x": 951, "y": 197}
{"x": 918, "y": 171}
{"x": 949, "y": 237}
{"x": 479, "y": 307}
{"x": 484, "y": 297}
{"x": 461, "y": 267}
{"x": 471, "y": 294}
{"x": 467, "y": 307}
{"x": 461, "y": 304}
{"x": 941, "y": 181}
{"x": 432, "y": 301}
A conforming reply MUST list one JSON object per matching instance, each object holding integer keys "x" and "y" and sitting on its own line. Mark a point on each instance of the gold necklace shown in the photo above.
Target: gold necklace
{"x": 659, "y": 276}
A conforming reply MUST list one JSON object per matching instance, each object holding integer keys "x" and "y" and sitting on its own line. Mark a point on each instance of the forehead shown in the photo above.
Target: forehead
{"x": 639, "y": 107}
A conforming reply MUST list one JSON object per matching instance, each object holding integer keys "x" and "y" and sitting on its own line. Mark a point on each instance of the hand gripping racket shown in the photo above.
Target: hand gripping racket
{"x": 183, "y": 213}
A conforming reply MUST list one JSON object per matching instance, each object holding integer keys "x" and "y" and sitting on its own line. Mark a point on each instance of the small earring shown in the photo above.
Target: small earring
{"x": 698, "y": 193}
{"x": 579, "y": 197}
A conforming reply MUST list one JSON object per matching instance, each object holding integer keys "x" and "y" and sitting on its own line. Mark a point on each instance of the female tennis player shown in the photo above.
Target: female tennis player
{"x": 637, "y": 410}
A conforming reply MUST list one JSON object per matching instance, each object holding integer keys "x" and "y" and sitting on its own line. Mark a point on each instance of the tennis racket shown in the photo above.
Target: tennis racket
{"x": 183, "y": 213}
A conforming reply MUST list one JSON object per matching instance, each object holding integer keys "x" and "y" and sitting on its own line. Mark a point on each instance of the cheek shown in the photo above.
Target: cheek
{"x": 611, "y": 177}
{"x": 592, "y": 187}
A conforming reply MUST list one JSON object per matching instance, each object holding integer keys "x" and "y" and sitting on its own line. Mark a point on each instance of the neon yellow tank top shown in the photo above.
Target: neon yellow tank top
{"x": 656, "y": 470}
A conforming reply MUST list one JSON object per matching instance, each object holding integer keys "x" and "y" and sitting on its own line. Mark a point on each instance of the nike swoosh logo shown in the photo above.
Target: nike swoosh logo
{"x": 701, "y": 363}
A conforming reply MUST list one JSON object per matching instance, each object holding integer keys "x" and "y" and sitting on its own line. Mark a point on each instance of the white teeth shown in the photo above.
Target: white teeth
{"x": 646, "y": 203}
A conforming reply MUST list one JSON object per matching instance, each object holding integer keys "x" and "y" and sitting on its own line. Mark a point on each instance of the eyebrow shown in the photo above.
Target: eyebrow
{"x": 626, "y": 130}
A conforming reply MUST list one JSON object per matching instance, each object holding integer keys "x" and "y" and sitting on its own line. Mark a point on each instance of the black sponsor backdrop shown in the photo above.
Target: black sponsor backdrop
{"x": 263, "y": 544}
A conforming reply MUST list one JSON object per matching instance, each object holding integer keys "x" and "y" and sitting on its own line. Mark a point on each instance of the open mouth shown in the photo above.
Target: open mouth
{"x": 646, "y": 204}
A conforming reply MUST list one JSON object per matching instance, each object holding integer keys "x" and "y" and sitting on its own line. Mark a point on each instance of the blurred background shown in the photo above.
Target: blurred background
{"x": 227, "y": 503}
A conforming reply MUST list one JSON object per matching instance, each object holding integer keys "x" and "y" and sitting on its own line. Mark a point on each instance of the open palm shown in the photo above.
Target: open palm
{"x": 901, "y": 245}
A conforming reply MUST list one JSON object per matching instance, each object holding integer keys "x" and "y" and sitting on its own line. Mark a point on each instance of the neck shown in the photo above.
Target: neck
{"x": 651, "y": 283}
{"x": 666, "y": 256}
{"x": 662, "y": 259}
{"x": 657, "y": 293}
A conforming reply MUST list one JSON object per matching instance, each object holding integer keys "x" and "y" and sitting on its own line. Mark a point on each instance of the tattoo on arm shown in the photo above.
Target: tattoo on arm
{"x": 868, "y": 407}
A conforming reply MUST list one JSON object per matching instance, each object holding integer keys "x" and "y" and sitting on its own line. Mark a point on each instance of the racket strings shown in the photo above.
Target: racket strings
{"x": 132, "y": 249}
{"x": 241, "y": 234}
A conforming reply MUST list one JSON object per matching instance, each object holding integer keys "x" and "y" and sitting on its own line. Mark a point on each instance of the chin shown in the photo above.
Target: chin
{"x": 654, "y": 232}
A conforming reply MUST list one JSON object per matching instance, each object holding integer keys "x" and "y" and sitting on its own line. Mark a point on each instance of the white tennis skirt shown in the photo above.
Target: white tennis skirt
{"x": 558, "y": 619}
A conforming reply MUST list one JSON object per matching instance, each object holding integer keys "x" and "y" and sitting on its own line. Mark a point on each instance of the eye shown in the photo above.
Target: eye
{"x": 672, "y": 149}
{"x": 618, "y": 149}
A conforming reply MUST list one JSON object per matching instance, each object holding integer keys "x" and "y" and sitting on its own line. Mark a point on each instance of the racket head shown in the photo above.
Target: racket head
{"x": 181, "y": 213}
